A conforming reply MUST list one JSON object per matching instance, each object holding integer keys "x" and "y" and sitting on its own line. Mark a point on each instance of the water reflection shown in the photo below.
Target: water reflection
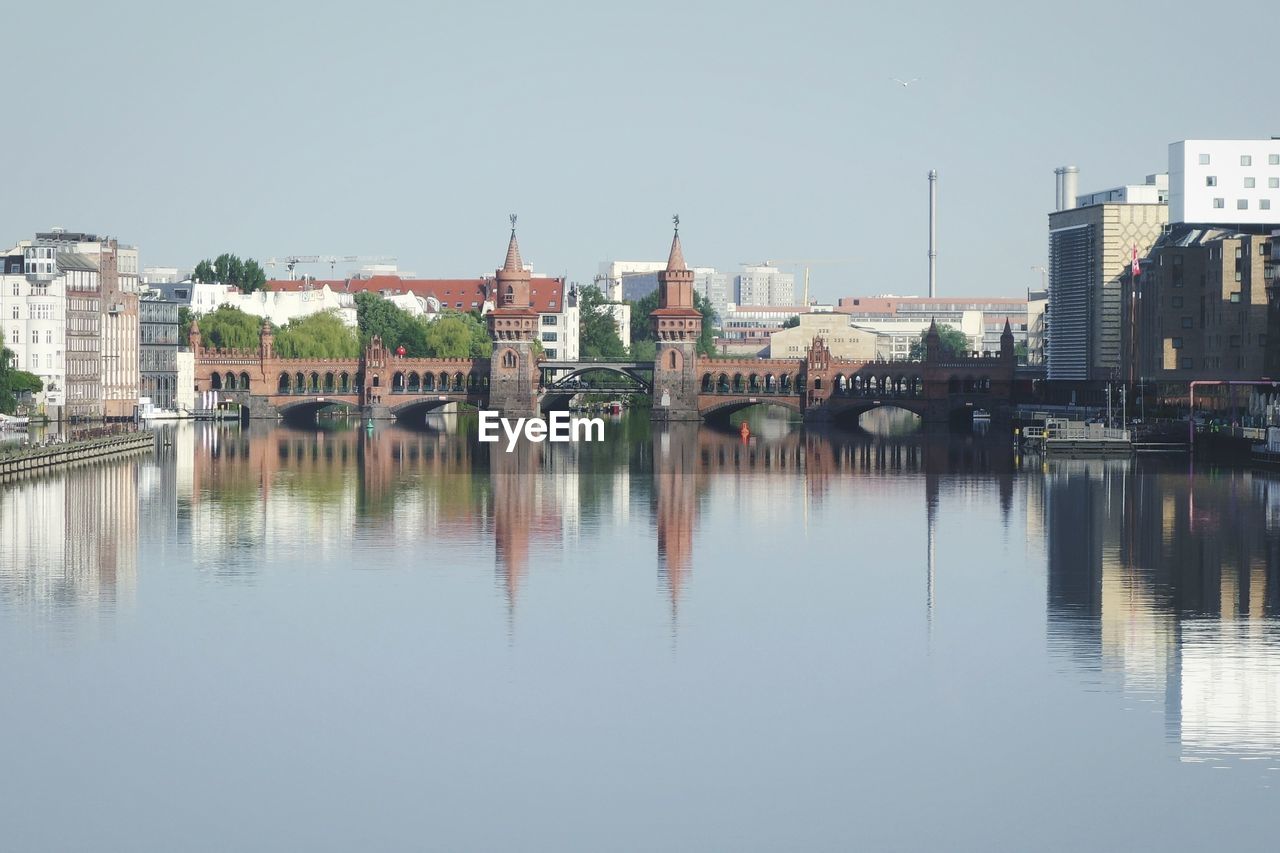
{"x": 70, "y": 540}
{"x": 1165, "y": 585}
{"x": 1160, "y": 586}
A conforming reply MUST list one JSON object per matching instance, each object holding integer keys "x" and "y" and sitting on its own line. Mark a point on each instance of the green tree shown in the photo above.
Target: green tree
{"x": 448, "y": 337}
{"x": 597, "y": 327}
{"x": 1020, "y": 352}
{"x": 227, "y": 268}
{"x": 707, "y": 338}
{"x": 457, "y": 335}
{"x": 644, "y": 350}
{"x": 229, "y": 328}
{"x": 253, "y": 277}
{"x": 13, "y": 381}
{"x": 185, "y": 316}
{"x": 641, "y": 325}
{"x": 953, "y": 342}
{"x": 791, "y": 322}
{"x": 319, "y": 335}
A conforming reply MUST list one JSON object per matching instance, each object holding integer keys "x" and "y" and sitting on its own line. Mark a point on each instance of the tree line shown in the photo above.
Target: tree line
{"x": 325, "y": 335}
{"x": 247, "y": 274}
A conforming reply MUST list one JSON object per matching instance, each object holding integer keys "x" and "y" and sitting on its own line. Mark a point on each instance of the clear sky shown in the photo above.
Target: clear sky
{"x": 774, "y": 129}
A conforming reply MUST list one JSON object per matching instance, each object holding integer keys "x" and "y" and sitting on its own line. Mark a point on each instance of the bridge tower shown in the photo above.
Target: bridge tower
{"x": 513, "y": 324}
{"x": 677, "y": 323}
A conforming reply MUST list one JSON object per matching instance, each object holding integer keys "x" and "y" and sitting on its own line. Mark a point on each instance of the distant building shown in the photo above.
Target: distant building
{"x": 765, "y": 285}
{"x": 716, "y": 288}
{"x": 158, "y": 349}
{"x": 555, "y": 302}
{"x": 842, "y": 339}
{"x": 1037, "y": 324}
{"x": 185, "y": 396}
{"x": 993, "y": 312}
{"x": 283, "y": 306}
{"x": 83, "y": 288}
{"x": 1232, "y": 182}
{"x": 1200, "y": 308}
{"x": 33, "y": 311}
{"x": 754, "y": 325}
{"x": 121, "y": 374}
{"x": 629, "y": 280}
{"x": 163, "y": 275}
{"x": 1092, "y": 239}
{"x": 896, "y": 335}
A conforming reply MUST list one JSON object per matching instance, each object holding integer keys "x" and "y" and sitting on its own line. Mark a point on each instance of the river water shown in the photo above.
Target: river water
{"x": 332, "y": 639}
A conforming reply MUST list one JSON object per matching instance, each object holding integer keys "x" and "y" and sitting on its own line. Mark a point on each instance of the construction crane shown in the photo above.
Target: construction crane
{"x": 806, "y": 262}
{"x": 292, "y": 261}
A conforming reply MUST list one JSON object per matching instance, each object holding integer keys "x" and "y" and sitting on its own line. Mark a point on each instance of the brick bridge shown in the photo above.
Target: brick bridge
{"x": 818, "y": 386}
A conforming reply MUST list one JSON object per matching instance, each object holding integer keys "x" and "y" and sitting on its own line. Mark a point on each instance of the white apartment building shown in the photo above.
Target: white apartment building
{"x": 766, "y": 286}
{"x": 558, "y": 331}
{"x": 281, "y": 306}
{"x": 896, "y": 335}
{"x": 33, "y": 316}
{"x": 1225, "y": 181}
{"x": 621, "y": 280}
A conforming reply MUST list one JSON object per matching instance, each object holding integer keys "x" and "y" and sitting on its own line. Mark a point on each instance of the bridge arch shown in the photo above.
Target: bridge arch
{"x": 574, "y": 379}
{"x": 720, "y": 410}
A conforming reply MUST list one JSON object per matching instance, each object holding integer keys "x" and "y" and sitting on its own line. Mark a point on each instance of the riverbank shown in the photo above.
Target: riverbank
{"x": 21, "y": 460}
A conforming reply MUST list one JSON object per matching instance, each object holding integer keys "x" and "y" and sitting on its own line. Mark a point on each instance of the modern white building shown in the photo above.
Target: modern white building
{"x": 896, "y": 335}
{"x": 1225, "y": 181}
{"x": 620, "y": 280}
{"x": 33, "y": 316}
{"x": 766, "y": 286}
{"x": 281, "y": 306}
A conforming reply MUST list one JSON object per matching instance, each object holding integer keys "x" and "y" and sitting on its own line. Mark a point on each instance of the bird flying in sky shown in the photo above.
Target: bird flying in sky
{"x": 904, "y": 83}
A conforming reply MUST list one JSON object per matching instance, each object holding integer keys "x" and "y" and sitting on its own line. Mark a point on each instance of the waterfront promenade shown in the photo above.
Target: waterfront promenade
{"x": 22, "y": 459}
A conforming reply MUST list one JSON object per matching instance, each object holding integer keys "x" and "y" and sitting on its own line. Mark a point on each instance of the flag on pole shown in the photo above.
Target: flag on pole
{"x": 1136, "y": 269}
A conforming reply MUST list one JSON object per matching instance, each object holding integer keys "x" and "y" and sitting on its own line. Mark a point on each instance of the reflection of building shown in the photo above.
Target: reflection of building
{"x": 71, "y": 538}
{"x": 1155, "y": 583}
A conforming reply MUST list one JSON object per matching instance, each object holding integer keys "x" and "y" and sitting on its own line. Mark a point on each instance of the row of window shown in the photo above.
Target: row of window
{"x": 1246, "y": 159}
{"x": 48, "y": 361}
{"x": 1242, "y": 203}
{"x": 1233, "y": 341}
{"x": 1248, "y": 183}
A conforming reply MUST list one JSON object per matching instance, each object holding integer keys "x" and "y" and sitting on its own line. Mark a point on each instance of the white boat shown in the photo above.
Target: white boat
{"x": 11, "y": 422}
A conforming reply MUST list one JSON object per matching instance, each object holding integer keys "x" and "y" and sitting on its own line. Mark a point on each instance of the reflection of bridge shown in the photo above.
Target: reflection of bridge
{"x": 684, "y": 386}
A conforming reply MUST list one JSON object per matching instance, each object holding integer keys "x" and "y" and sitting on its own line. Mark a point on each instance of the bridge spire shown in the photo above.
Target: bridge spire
{"x": 513, "y": 263}
{"x": 675, "y": 260}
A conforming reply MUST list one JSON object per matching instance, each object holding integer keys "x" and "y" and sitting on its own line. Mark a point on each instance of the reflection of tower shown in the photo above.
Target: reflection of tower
{"x": 514, "y": 480}
{"x": 677, "y": 324}
{"x": 931, "y": 521}
{"x": 675, "y": 456}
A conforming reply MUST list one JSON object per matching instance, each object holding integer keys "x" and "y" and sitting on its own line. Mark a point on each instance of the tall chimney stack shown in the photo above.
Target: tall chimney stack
{"x": 1070, "y": 187}
{"x": 933, "y": 233}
